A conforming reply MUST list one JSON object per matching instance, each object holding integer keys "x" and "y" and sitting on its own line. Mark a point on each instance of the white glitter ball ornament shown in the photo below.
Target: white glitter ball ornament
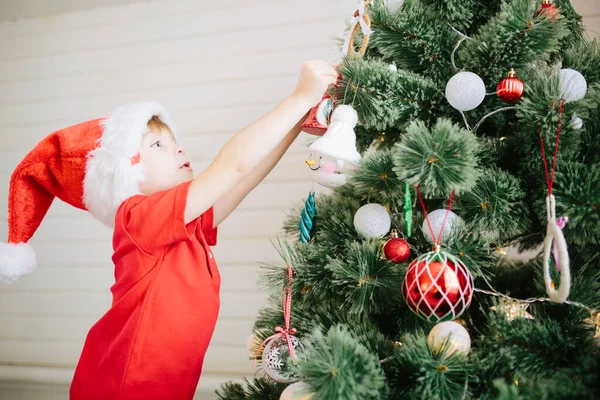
{"x": 573, "y": 86}
{"x": 297, "y": 391}
{"x": 465, "y": 91}
{"x": 576, "y": 123}
{"x": 392, "y": 68}
{"x": 277, "y": 361}
{"x": 436, "y": 218}
{"x": 393, "y": 5}
{"x": 450, "y": 334}
{"x": 372, "y": 221}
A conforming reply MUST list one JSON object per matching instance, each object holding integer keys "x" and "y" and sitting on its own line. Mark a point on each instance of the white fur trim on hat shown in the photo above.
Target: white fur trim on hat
{"x": 110, "y": 177}
{"x": 16, "y": 260}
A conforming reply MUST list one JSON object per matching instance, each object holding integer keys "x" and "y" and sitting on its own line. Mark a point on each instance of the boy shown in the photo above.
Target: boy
{"x": 129, "y": 172}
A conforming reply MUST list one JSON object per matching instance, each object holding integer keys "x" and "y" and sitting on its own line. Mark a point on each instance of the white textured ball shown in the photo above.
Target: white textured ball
{"x": 252, "y": 345}
{"x": 465, "y": 91}
{"x": 573, "y": 86}
{"x": 392, "y": 68}
{"x": 576, "y": 123}
{"x": 436, "y": 218}
{"x": 297, "y": 391}
{"x": 453, "y": 335}
{"x": 394, "y": 4}
{"x": 372, "y": 221}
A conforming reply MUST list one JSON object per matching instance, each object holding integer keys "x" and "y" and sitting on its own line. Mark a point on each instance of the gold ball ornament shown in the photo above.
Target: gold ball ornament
{"x": 449, "y": 335}
{"x": 252, "y": 344}
{"x": 297, "y": 391}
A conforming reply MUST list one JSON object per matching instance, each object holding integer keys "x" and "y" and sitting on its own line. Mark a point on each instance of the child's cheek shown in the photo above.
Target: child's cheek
{"x": 329, "y": 167}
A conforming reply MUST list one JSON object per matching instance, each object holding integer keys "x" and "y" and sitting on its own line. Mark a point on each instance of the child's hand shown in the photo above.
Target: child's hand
{"x": 313, "y": 81}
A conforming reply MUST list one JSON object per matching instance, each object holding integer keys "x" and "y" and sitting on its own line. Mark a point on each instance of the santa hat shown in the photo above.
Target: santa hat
{"x": 91, "y": 165}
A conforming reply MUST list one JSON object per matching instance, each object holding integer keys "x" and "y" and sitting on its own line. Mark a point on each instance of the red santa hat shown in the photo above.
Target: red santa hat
{"x": 91, "y": 165}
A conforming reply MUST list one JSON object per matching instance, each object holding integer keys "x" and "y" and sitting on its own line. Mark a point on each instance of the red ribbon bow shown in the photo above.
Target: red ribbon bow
{"x": 287, "y": 314}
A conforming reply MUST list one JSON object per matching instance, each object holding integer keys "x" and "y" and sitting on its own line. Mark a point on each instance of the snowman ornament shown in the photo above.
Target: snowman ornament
{"x": 334, "y": 156}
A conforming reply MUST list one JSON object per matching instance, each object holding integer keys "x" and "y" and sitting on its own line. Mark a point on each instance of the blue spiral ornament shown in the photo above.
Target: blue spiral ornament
{"x": 307, "y": 220}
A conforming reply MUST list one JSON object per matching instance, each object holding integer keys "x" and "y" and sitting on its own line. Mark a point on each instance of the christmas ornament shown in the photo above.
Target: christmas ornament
{"x": 465, "y": 91}
{"x": 576, "y": 123}
{"x": 594, "y": 321}
{"x": 360, "y": 20}
{"x": 561, "y": 222}
{"x": 554, "y": 237}
{"x": 392, "y": 68}
{"x": 556, "y": 240}
{"x": 407, "y": 208}
{"x": 334, "y": 155}
{"x": 513, "y": 309}
{"x": 393, "y": 5}
{"x": 307, "y": 218}
{"x": 319, "y": 117}
{"x": 573, "y": 85}
{"x": 328, "y": 171}
{"x": 451, "y": 225}
{"x": 283, "y": 347}
{"x": 339, "y": 141}
{"x": 548, "y": 9}
{"x": 449, "y": 336}
{"x": 278, "y": 361}
{"x": 297, "y": 391}
{"x": 252, "y": 344}
{"x": 510, "y": 89}
{"x": 372, "y": 221}
{"x": 438, "y": 286}
{"x": 396, "y": 249}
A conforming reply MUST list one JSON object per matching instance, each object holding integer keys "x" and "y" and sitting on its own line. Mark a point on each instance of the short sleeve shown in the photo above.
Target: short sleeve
{"x": 156, "y": 221}
{"x": 206, "y": 226}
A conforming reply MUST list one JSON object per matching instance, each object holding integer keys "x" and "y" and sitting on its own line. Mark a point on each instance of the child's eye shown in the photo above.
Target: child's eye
{"x": 155, "y": 144}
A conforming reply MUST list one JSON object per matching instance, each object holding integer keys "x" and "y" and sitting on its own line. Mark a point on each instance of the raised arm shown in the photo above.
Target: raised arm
{"x": 242, "y": 154}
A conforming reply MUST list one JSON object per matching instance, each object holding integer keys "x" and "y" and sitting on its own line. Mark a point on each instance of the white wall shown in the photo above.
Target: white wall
{"x": 216, "y": 66}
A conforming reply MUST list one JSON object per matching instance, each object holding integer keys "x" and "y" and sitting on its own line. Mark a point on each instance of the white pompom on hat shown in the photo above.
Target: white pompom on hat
{"x": 340, "y": 140}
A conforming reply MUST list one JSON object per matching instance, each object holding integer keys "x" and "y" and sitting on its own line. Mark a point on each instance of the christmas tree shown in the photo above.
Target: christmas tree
{"x": 459, "y": 258}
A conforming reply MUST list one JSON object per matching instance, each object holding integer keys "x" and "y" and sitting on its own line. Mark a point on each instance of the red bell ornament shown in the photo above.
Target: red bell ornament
{"x": 511, "y": 88}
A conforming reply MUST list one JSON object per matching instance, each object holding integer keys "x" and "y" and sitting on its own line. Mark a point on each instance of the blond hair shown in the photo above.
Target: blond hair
{"x": 155, "y": 124}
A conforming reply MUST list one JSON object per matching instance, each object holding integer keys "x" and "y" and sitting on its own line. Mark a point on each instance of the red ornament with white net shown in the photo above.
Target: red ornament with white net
{"x": 437, "y": 286}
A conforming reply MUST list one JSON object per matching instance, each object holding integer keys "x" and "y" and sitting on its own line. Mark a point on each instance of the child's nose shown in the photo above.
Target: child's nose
{"x": 179, "y": 150}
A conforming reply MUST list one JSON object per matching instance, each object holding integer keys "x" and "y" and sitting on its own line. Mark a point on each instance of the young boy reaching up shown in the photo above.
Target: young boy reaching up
{"x": 129, "y": 171}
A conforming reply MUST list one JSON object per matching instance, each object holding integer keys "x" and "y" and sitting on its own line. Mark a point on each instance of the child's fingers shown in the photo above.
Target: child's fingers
{"x": 331, "y": 80}
{"x": 322, "y": 66}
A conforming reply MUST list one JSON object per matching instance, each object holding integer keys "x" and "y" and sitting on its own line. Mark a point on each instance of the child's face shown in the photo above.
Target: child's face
{"x": 164, "y": 162}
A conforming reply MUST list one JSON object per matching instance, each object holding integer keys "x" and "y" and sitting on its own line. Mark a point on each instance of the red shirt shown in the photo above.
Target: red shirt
{"x": 152, "y": 341}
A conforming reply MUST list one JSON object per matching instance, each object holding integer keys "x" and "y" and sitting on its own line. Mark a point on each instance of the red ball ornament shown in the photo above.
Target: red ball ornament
{"x": 438, "y": 287}
{"x": 396, "y": 249}
{"x": 510, "y": 89}
{"x": 548, "y": 9}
